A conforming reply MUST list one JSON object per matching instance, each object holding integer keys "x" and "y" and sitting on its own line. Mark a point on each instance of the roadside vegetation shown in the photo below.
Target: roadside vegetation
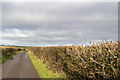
{"x": 9, "y": 52}
{"x": 95, "y": 61}
{"x": 42, "y": 69}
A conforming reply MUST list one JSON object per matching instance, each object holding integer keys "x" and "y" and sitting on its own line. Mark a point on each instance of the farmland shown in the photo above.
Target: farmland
{"x": 97, "y": 61}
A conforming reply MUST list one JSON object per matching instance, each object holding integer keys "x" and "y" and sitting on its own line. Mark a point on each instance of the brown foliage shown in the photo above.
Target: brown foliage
{"x": 100, "y": 60}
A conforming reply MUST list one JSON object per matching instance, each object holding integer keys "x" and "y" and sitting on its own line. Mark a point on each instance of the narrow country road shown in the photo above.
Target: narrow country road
{"x": 19, "y": 67}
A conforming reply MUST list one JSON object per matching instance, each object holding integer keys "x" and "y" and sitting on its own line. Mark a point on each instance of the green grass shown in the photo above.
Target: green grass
{"x": 10, "y": 56}
{"x": 41, "y": 68}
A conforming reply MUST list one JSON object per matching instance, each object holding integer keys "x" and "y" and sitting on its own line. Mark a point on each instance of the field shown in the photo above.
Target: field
{"x": 98, "y": 61}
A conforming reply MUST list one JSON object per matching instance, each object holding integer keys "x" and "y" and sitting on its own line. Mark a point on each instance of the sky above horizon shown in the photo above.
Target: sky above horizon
{"x": 58, "y": 23}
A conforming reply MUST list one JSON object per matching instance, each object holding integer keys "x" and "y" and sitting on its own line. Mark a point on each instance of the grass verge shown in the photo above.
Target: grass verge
{"x": 10, "y": 56}
{"x": 41, "y": 68}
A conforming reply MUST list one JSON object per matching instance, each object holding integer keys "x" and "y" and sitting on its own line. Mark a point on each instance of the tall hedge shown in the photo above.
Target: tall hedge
{"x": 98, "y": 61}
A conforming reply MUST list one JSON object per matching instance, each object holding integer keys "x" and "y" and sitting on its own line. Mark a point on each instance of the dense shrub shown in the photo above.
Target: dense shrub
{"x": 100, "y": 61}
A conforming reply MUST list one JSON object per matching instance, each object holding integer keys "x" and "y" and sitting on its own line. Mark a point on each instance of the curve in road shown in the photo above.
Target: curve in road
{"x": 19, "y": 67}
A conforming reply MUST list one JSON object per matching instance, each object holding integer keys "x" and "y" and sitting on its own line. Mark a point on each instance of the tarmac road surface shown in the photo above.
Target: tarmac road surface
{"x": 19, "y": 67}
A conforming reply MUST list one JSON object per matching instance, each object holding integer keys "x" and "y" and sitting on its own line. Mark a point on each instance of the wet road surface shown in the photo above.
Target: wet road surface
{"x": 19, "y": 67}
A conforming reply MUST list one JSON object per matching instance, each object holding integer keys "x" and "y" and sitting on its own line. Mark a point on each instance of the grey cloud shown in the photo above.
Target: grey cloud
{"x": 59, "y": 23}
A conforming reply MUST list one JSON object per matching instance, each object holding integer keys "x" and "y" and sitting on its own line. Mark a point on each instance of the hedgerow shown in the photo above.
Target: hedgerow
{"x": 96, "y": 61}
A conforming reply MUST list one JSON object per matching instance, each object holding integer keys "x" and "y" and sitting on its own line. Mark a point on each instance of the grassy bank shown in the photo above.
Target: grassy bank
{"x": 7, "y": 52}
{"x": 9, "y": 56}
{"x": 41, "y": 68}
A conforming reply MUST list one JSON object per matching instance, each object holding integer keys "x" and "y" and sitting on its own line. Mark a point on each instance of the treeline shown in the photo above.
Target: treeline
{"x": 98, "y": 61}
{"x": 9, "y": 52}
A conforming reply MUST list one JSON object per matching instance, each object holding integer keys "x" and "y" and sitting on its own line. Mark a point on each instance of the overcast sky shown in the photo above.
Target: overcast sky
{"x": 58, "y": 23}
